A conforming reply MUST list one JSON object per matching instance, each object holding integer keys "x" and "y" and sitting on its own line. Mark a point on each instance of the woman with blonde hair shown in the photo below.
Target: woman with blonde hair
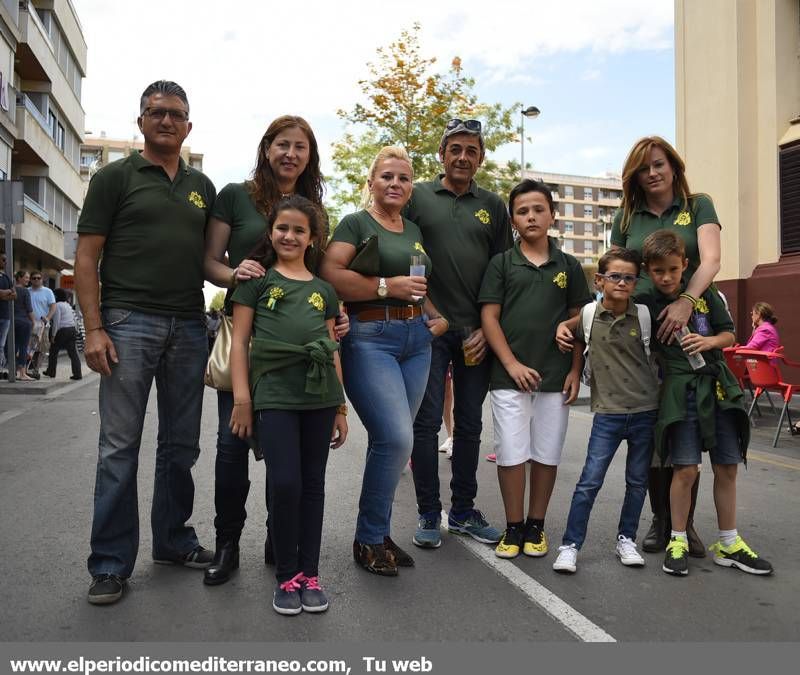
{"x": 656, "y": 195}
{"x": 386, "y": 356}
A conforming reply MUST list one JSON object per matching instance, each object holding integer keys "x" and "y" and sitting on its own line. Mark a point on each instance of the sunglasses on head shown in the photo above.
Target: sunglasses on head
{"x": 616, "y": 277}
{"x": 469, "y": 125}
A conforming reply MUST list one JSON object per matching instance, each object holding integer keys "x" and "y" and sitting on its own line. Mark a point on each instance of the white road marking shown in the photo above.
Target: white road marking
{"x": 569, "y": 617}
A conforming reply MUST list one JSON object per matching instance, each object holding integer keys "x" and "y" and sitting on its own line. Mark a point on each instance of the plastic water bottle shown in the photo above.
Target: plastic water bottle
{"x": 696, "y": 361}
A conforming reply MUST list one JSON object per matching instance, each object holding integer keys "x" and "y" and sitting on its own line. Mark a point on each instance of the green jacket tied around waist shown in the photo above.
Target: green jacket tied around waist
{"x": 714, "y": 386}
{"x": 269, "y": 355}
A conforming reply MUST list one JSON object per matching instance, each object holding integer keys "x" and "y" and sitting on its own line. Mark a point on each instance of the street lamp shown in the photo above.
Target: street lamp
{"x": 531, "y": 111}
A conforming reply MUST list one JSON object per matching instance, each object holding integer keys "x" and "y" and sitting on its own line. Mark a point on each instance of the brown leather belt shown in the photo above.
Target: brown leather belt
{"x": 390, "y": 313}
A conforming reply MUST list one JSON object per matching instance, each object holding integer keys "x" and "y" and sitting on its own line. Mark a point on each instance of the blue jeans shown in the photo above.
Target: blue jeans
{"x": 22, "y": 335}
{"x": 385, "y": 366}
{"x": 5, "y": 324}
{"x": 231, "y": 481}
{"x": 470, "y": 386}
{"x": 174, "y": 351}
{"x": 608, "y": 431}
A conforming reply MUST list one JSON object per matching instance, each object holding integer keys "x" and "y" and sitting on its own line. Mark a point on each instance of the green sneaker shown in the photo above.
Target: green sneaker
{"x": 676, "y": 560}
{"x": 740, "y": 555}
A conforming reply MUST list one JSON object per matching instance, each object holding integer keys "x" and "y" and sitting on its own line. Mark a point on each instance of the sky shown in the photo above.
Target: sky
{"x": 600, "y": 71}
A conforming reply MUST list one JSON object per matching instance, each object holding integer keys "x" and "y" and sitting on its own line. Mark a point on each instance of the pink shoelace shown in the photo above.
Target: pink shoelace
{"x": 294, "y": 583}
{"x": 311, "y": 583}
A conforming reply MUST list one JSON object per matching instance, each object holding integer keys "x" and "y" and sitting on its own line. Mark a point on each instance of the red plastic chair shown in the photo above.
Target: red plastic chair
{"x": 766, "y": 376}
{"x": 736, "y": 364}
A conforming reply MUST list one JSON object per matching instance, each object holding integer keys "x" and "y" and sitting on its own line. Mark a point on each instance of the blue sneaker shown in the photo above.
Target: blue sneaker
{"x": 428, "y": 534}
{"x": 474, "y": 524}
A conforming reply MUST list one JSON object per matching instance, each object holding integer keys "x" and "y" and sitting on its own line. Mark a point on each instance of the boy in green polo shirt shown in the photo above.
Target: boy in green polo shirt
{"x": 526, "y": 292}
{"x": 701, "y": 408}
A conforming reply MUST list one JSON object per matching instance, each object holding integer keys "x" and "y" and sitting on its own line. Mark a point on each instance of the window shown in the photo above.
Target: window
{"x": 114, "y": 155}
{"x": 60, "y": 136}
{"x": 588, "y": 261}
{"x": 588, "y": 211}
{"x": 569, "y": 210}
{"x": 51, "y": 123}
{"x": 568, "y": 191}
{"x": 587, "y": 193}
{"x": 569, "y": 226}
{"x": 789, "y": 171}
{"x": 568, "y": 246}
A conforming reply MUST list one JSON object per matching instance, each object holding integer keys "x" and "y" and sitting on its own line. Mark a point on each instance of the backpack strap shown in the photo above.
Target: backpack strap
{"x": 587, "y": 319}
{"x": 645, "y": 327}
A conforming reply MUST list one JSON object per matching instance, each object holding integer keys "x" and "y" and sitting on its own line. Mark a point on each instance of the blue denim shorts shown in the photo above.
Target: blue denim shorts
{"x": 686, "y": 443}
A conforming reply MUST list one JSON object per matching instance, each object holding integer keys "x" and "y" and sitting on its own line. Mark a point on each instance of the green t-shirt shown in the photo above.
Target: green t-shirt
{"x": 298, "y": 317}
{"x": 676, "y": 218}
{"x": 394, "y": 249}
{"x": 534, "y": 301}
{"x": 461, "y": 234}
{"x": 709, "y": 318}
{"x": 235, "y": 207}
{"x": 152, "y": 258}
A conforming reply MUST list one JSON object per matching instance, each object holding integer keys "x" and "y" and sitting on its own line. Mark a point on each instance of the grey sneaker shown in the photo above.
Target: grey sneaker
{"x": 474, "y": 524}
{"x": 105, "y": 589}
{"x": 312, "y": 597}
{"x": 198, "y": 558}
{"x": 286, "y": 599}
{"x": 428, "y": 534}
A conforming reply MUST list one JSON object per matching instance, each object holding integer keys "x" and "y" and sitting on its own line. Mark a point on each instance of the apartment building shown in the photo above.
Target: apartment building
{"x": 585, "y": 207}
{"x": 42, "y": 66}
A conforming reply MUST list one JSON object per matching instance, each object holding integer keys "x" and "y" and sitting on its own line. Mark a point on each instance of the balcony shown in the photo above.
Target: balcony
{"x": 39, "y": 240}
{"x": 34, "y": 146}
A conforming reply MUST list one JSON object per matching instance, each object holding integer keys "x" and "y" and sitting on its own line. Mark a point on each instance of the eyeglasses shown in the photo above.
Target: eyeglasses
{"x": 35, "y": 278}
{"x": 469, "y": 125}
{"x": 159, "y": 114}
{"x": 616, "y": 277}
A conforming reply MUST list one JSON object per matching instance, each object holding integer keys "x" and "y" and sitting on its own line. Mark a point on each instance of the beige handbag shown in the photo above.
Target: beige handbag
{"x": 218, "y": 368}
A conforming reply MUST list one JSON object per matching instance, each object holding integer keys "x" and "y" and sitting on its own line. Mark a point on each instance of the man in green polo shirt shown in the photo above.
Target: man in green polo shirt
{"x": 146, "y": 215}
{"x": 462, "y": 226}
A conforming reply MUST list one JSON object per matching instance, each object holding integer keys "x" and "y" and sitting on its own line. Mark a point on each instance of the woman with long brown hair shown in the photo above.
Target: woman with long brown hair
{"x": 656, "y": 195}
{"x": 287, "y": 162}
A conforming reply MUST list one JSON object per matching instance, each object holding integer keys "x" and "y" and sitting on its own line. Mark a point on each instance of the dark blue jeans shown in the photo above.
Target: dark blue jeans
{"x": 470, "y": 386}
{"x": 173, "y": 351}
{"x": 608, "y": 432}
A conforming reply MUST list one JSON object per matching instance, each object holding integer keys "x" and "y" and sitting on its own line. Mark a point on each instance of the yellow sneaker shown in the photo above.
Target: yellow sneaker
{"x": 509, "y": 544}
{"x": 535, "y": 544}
{"x": 741, "y": 556}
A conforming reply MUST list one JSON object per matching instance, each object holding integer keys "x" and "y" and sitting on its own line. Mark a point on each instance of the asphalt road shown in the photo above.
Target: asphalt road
{"x": 457, "y": 593}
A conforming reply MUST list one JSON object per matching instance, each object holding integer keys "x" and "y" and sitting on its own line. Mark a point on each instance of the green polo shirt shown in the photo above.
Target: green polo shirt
{"x": 709, "y": 318}
{"x": 461, "y": 234}
{"x": 394, "y": 249}
{"x": 298, "y": 317}
{"x": 684, "y": 222}
{"x": 152, "y": 258}
{"x": 623, "y": 381}
{"x": 235, "y": 207}
{"x": 534, "y": 301}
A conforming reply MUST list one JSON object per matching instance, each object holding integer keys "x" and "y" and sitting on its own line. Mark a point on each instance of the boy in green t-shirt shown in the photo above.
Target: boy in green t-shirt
{"x": 701, "y": 408}
{"x": 526, "y": 292}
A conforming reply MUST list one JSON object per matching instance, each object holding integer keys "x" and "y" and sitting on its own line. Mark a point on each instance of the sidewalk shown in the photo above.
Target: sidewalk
{"x": 47, "y": 385}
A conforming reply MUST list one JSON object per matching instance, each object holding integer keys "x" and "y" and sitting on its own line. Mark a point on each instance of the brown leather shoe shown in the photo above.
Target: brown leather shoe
{"x": 401, "y": 558}
{"x": 375, "y": 559}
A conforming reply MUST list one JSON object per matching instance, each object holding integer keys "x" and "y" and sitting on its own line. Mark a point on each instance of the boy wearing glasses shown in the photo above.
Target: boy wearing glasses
{"x": 624, "y": 401}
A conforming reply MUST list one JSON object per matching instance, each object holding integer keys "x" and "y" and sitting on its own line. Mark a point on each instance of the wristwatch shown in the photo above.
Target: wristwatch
{"x": 383, "y": 289}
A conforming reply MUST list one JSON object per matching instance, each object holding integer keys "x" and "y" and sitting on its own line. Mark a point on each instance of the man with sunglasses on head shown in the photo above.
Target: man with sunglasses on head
{"x": 144, "y": 213}
{"x": 462, "y": 226}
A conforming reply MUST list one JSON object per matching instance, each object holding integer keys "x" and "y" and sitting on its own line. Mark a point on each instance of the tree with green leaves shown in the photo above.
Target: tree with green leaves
{"x": 406, "y": 102}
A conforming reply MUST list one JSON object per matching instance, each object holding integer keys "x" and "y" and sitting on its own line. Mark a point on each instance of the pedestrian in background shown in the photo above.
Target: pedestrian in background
{"x": 64, "y": 334}
{"x": 765, "y": 336}
{"x": 23, "y": 323}
{"x": 44, "y": 306}
{"x": 7, "y": 293}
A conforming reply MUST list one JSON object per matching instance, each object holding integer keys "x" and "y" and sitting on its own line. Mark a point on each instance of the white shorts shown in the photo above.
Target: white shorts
{"x": 528, "y": 426}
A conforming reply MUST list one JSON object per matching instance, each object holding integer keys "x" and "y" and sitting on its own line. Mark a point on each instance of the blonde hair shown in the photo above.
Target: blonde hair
{"x": 386, "y": 152}
{"x": 633, "y": 196}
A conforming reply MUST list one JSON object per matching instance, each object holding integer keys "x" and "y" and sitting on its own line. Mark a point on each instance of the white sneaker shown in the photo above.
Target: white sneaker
{"x": 447, "y": 446}
{"x": 567, "y": 560}
{"x": 627, "y": 553}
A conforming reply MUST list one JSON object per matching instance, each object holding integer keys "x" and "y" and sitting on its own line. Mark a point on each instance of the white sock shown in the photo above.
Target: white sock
{"x": 728, "y": 537}
{"x": 679, "y": 535}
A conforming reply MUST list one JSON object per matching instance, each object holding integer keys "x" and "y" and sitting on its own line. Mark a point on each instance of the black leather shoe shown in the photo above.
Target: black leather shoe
{"x": 226, "y": 559}
{"x": 657, "y": 536}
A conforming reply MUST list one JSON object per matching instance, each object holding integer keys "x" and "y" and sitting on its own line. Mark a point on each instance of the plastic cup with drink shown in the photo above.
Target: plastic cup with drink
{"x": 417, "y": 269}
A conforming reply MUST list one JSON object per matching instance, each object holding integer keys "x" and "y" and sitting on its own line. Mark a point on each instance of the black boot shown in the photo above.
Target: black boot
{"x": 657, "y": 536}
{"x": 226, "y": 559}
{"x": 696, "y": 547}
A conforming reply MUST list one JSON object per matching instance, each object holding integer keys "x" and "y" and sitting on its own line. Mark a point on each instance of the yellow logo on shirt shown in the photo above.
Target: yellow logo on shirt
{"x": 483, "y": 216}
{"x": 275, "y": 294}
{"x": 684, "y": 218}
{"x": 633, "y": 332}
{"x": 720, "y": 392}
{"x": 197, "y": 200}
{"x": 317, "y": 301}
{"x": 418, "y": 247}
{"x": 560, "y": 279}
{"x": 701, "y": 306}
